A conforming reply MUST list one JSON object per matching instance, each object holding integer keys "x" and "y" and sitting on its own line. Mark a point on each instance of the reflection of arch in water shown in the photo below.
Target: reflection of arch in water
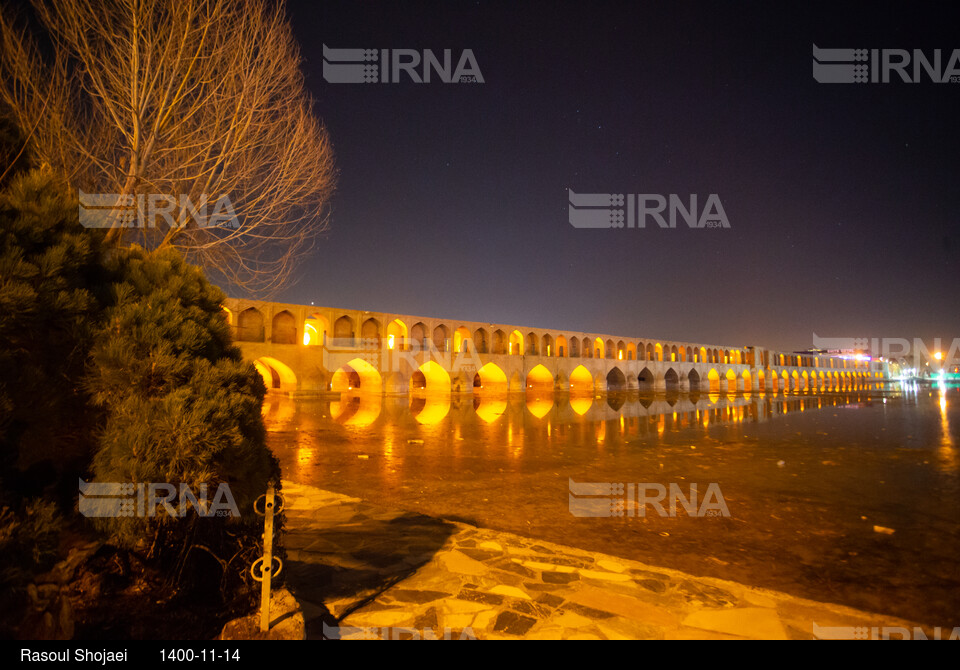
{"x": 489, "y": 408}
{"x": 356, "y": 409}
{"x": 581, "y": 403}
{"x": 430, "y": 408}
{"x": 615, "y": 401}
{"x": 539, "y": 406}
{"x": 277, "y": 412}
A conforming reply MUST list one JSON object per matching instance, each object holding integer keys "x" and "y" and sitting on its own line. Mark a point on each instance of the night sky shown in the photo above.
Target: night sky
{"x": 452, "y": 199}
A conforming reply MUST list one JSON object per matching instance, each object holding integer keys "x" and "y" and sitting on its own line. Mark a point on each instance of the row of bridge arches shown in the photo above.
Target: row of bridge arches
{"x": 317, "y": 329}
{"x": 360, "y": 376}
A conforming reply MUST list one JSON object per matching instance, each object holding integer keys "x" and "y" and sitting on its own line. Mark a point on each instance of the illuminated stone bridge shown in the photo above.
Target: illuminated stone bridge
{"x": 307, "y": 349}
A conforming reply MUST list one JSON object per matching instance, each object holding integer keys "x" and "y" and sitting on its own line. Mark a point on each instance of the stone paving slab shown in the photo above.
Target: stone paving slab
{"x": 366, "y": 572}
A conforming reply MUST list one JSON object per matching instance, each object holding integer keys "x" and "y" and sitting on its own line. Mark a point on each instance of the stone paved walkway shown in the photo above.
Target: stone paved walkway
{"x": 363, "y": 571}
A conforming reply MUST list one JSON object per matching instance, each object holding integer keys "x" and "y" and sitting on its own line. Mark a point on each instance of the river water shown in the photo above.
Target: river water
{"x": 852, "y": 498}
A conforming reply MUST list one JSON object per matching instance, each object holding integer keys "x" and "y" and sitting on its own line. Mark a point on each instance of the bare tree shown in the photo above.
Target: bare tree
{"x": 185, "y": 98}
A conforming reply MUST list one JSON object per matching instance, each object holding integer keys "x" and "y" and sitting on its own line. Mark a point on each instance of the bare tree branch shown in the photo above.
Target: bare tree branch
{"x": 180, "y": 97}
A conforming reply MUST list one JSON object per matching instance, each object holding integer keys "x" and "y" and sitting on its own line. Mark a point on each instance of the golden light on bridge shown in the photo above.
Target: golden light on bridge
{"x": 490, "y": 378}
{"x": 356, "y": 375}
{"x": 540, "y": 380}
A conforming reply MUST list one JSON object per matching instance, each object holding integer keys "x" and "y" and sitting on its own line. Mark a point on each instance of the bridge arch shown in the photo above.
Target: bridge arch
{"x": 574, "y": 347}
{"x": 599, "y": 350}
{"x": 418, "y": 335}
{"x": 284, "y": 328}
{"x": 516, "y": 343}
{"x": 671, "y": 380}
{"x": 731, "y": 381}
{"x": 315, "y": 329}
{"x": 356, "y": 375}
{"x": 490, "y": 378}
{"x": 539, "y": 380}
{"x": 276, "y": 375}
{"x": 714, "y": 378}
{"x": 532, "y": 344}
{"x": 499, "y": 342}
{"x": 546, "y": 345}
{"x": 441, "y": 334}
{"x": 431, "y": 377}
{"x": 563, "y": 349}
{"x": 461, "y": 339}
{"x": 693, "y": 380}
{"x": 397, "y": 335}
{"x": 616, "y": 381}
{"x": 250, "y": 325}
{"x": 581, "y": 380}
{"x": 481, "y": 341}
{"x": 343, "y": 328}
{"x": 646, "y": 381}
{"x": 370, "y": 329}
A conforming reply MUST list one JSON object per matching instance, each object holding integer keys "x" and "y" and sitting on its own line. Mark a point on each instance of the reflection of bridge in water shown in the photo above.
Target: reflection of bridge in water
{"x": 306, "y": 349}
{"x": 633, "y": 413}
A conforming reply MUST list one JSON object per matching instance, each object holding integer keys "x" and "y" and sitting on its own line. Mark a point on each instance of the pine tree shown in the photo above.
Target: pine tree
{"x": 182, "y": 407}
{"x": 119, "y": 363}
{"x": 52, "y": 284}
